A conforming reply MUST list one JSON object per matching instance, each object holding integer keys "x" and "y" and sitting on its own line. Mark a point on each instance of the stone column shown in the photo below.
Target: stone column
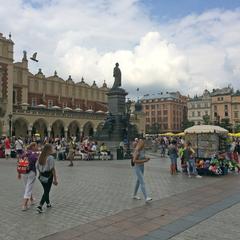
{"x": 30, "y": 130}
{"x": 65, "y": 133}
{"x": 49, "y": 129}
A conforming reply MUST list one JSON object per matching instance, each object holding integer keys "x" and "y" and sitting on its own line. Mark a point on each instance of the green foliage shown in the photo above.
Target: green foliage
{"x": 154, "y": 128}
{"x": 206, "y": 120}
{"x": 186, "y": 124}
{"x": 237, "y": 128}
{"x": 225, "y": 123}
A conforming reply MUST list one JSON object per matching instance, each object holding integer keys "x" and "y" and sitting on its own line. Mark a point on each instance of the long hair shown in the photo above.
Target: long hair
{"x": 140, "y": 145}
{"x": 31, "y": 146}
{"x": 47, "y": 150}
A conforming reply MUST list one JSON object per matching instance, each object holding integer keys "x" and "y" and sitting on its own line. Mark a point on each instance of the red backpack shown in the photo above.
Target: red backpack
{"x": 23, "y": 166}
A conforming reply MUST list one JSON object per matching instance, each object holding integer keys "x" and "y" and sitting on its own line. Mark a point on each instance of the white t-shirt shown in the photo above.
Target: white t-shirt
{"x": 19, "y": 144}
{"x": 50, "y": 164}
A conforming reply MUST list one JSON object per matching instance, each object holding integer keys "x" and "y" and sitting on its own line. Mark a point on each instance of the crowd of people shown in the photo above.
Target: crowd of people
{"x": 41, "y": 155}
{"x": 182, "y": 153}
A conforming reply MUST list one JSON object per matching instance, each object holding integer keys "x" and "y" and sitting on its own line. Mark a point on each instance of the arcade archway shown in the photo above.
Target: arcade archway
{"x": 40, "y": 127}
{"x": 74, "y": 130}
{"x": 88, "y": 130}
{"x": 20, "y": 127}
{"x": 58, "y": 129}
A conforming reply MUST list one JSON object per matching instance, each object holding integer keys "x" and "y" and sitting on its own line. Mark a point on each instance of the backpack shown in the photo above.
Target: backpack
{"x": 23, "y": 166}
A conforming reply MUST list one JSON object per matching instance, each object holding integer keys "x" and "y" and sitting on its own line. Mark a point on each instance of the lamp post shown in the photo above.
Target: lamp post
{"x": 128, "y": 114}
{"x": 10, "y": 124}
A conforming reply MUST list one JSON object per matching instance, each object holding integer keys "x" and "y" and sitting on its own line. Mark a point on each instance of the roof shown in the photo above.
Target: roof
{"x": 206, "y": 129}
{"x": 161, "y": 95}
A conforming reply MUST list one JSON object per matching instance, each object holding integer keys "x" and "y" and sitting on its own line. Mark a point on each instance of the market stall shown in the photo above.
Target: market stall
{"x": 211, "y": 145}
{"x": 207, "y": 140}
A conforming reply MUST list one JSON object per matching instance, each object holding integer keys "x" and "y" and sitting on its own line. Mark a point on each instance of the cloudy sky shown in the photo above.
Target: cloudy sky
{"x": 185, "y": 45}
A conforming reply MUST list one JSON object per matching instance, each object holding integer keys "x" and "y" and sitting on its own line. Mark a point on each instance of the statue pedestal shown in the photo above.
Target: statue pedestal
{"x": 114, "y": 128}
{"x": 116, "y": 101}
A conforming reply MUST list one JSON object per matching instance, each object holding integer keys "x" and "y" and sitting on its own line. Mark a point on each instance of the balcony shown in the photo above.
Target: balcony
{"x": 58, "y": 113}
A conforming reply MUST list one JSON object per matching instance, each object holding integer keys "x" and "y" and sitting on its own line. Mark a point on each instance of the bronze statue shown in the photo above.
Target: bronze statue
{"x": 117, "y": 75}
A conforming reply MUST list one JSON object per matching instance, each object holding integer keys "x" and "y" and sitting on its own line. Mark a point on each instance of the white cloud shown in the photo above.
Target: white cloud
{"x": 86, "y": 38}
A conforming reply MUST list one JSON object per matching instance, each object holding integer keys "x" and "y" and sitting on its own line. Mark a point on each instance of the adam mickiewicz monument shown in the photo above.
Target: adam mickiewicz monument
{"x": 118, "y": 76}
{"x": 115, "y": 126}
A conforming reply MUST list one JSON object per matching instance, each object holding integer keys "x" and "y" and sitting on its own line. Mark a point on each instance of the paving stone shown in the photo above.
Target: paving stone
{"x": 89, "y": 192}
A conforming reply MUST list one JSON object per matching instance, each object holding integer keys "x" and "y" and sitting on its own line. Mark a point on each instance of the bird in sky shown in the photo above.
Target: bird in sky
{"x": 34, "y": 57}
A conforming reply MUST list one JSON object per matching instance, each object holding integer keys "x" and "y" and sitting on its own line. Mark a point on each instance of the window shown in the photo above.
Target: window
{"x": 206, "y": 105}
{"x": 235, "y": 114}
{"x": 226, "y": 114}
{"x": 147, "y": 113}
{"x": 152, "y": 113}
{"x": 192, "y": 105}
{"x": 34, "y": 102}
{"x": 148, "y": 119}
{"x": 158, "y": 106}
{"x": 226, "y": 107}
{"x": 152, "y": 106}
{"x": 193, "y": 114}
{"x": 14, "y": 97}
{"x": 236, "y": 107}
{"x": 153, "y": 119}
{"x": 165, "y": 112}
{"x": 199, "y": 114}
{"x": 147, "y": 107}
{"x": 215, "y": 114}
{"x": 215, "y": 108}
{"x": 165, "y": 119}
{"x": 198, "y": 105}
{"x": 159, "y": 112}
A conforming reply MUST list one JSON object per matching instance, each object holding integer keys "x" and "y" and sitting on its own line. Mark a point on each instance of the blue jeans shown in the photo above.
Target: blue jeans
{"x": 173, "y": 159}
{"x": 139, "y": 170}
{"x": 191, "y": 165}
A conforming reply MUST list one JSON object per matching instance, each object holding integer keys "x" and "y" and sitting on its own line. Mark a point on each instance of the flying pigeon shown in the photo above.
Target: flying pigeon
{"x": 34, "y": 56}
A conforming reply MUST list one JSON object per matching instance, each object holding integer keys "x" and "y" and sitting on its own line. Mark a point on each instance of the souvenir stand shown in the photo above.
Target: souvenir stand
{"x": 210, "y": 145}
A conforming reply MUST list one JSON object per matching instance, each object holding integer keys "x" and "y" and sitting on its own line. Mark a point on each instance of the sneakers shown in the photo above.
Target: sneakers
{"x": 136, "y": 197}
{"x": 24, "y": 208}
{"x": 39, "y": 209}
{"x": 148, "y": 199}
{"x": 198, "y": 176}
{"x": 33, "y": 201}
{"x": 49, "y": 205}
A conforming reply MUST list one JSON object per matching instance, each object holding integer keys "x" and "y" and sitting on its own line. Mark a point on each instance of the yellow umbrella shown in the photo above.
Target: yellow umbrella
{"x": 169, "y": 134}
{"x": 180, "y": 134}
{"x": 37, "y": 135}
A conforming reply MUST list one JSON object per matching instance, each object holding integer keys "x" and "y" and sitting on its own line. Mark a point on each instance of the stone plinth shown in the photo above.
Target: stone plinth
{"x": 116, "y": 101}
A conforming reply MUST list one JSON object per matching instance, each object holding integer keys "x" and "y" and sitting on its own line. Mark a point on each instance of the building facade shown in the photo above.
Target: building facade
{"x": 165, "y": 111}
{"x": 215, "y": 107}
{"x": 33, "y": 103}
{"x": 199, "y": 107}
{"x": 226, "y": 105}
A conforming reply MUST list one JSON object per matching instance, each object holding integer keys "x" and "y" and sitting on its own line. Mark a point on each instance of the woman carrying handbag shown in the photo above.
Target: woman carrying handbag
{"x": 47, "y": 174}
{"x": 139, "y": 159}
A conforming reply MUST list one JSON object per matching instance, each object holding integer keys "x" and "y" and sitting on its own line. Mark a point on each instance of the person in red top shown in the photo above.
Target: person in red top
{"x": 7, "y": 147}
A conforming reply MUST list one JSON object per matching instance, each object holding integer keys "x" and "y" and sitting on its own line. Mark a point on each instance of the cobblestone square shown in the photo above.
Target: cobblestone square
{"x": 89, "y": 191}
